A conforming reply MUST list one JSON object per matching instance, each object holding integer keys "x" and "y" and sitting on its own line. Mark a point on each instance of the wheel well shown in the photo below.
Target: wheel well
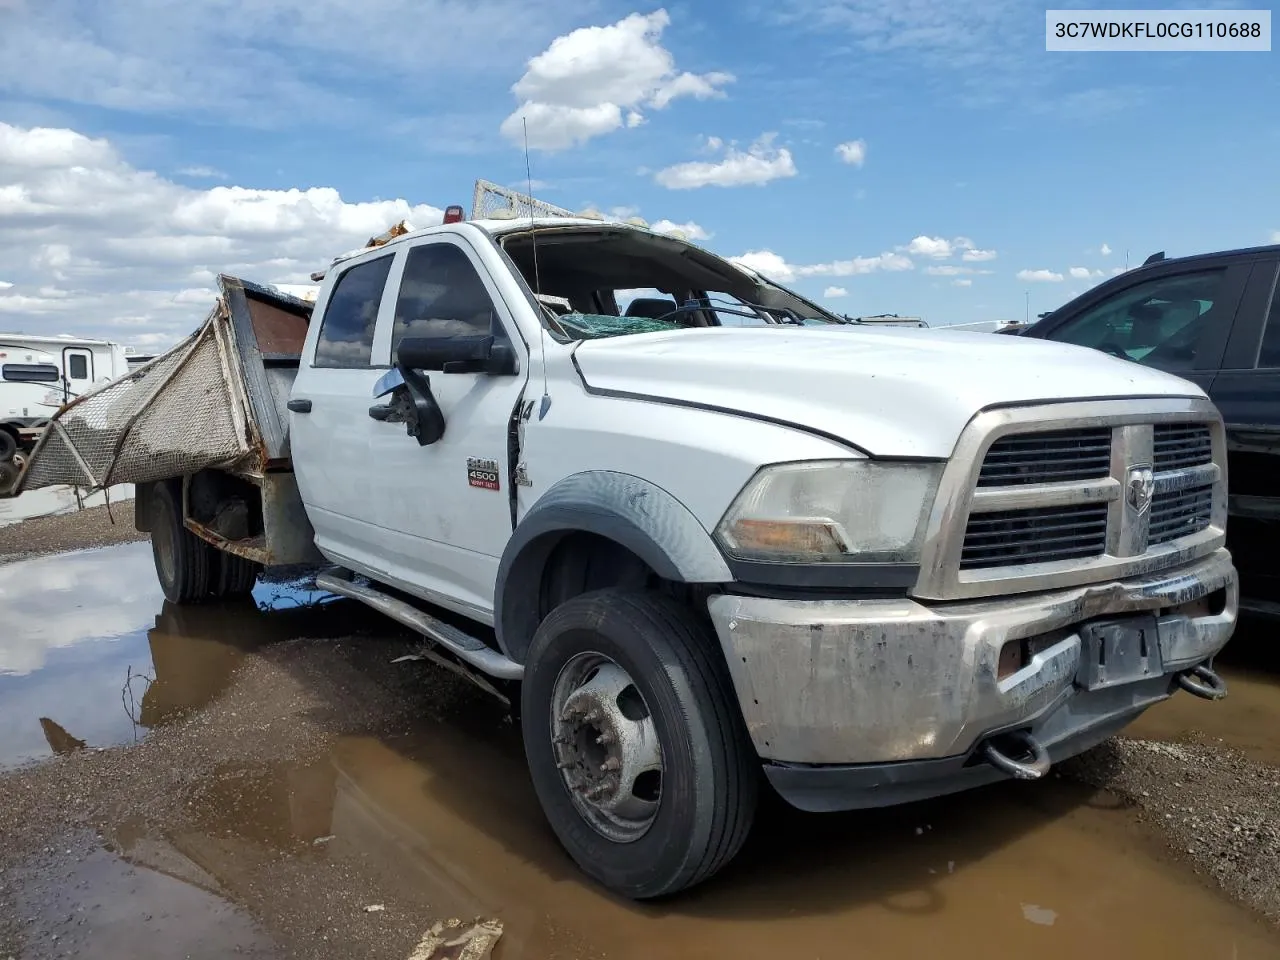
{"x": 562, "y": 565}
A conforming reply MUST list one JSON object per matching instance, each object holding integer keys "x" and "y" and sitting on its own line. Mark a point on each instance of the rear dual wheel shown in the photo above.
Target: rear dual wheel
{"x": 634, "y": 742}
{"x": 189, "y": 569}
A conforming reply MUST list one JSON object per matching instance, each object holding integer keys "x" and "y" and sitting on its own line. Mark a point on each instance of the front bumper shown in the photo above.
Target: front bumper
{"x": 848, "y": 682}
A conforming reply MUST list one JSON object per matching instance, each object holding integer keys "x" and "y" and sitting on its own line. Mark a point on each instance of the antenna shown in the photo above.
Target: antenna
{"x": 545, "y": 405}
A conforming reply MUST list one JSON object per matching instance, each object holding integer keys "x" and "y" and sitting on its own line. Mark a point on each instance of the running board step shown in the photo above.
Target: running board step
{"x": 469, "y": 649}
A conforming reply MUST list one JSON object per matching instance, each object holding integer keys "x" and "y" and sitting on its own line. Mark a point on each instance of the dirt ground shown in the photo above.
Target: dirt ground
{"x": 319, "y": 799}
{"x": 94, "y": 527}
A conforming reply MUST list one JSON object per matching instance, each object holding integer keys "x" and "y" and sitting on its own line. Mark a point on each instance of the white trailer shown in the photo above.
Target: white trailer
{"x": 38, "y": 374}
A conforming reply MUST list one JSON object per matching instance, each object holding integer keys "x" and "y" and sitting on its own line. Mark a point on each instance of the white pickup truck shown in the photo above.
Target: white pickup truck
{"x": 717, "y": 534}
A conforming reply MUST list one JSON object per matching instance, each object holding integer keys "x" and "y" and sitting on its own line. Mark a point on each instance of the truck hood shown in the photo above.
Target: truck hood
{"x": 890, "y": 392}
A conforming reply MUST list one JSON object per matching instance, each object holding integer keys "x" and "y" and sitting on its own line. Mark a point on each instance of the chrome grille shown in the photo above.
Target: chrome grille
{"x": 1049, "y": 457}
{"x": 1029, "y": 502}
{"x": 1060, "y": 495}
{"x": 1034, "y": 536}
{"x": 1178, "y": 513}
{"x": 1179, "y": 445}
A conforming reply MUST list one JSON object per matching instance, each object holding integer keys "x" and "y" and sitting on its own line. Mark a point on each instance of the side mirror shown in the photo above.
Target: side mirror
{"x": 478, "y": 354}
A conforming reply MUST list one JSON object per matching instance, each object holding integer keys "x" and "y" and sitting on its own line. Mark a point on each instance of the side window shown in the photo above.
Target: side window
{"x": 441, "y": 295}
{"x": 346, "y": 329}
{"x": 1159, "y": 323}
{"x": 1269, "y": 355}
{"x": 79, "y": 366}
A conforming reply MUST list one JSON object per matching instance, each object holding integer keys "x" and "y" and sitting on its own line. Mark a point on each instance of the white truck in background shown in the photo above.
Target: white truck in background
{"x": 39, "y": 374}
{"x": 723, "y": 538}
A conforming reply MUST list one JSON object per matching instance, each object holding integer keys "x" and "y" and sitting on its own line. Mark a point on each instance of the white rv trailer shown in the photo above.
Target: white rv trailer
{"x": 38, "y": 374}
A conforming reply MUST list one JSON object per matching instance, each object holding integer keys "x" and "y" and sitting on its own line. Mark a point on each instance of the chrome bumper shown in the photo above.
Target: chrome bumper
{"x": 878, "y": 681}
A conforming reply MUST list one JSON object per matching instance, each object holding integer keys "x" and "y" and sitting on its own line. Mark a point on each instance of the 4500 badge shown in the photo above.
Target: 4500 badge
{"x": 483, "y": 473}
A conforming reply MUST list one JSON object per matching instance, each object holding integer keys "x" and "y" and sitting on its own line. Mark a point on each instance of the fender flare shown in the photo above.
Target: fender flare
{"x": 626, "y": 509}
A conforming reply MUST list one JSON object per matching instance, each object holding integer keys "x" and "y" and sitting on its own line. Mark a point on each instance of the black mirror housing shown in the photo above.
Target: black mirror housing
{"x": 466, "y": 354}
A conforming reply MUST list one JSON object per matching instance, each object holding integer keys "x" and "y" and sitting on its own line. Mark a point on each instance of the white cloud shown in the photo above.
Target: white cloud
{"x": 116, "y": 251}
{"x": 1116, "y": 271}
{"x": 978, "y": 256}
{"x": 1039, "y": 276}
{"x": 5, "y": 285}
{"x": 777, "y": 268}
{"x": 202, "y": 173}
{"x": 962, "y": 282}
{"x": 758, "y": 164}
{"x": 1105, "y": 250}
{"x": 1084, "y": 273}
{"x": 586, "y": 81}
{"x": 834, "y": 292}
{"x": 951, "y": 270}
{"x": 689, "y": 230}
{"x": 853, "y": 152}
{"x": 935, "y": 247}
{"x": 1275, "y": 236}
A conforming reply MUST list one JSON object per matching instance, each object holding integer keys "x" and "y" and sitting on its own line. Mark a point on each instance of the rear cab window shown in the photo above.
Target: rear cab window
{"x": 346, "y": 332}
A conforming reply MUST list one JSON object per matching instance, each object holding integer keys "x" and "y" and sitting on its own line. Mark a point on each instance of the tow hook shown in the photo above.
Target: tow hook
{"x": 1032, "y": 769}
{"x": 1203, "y": 682}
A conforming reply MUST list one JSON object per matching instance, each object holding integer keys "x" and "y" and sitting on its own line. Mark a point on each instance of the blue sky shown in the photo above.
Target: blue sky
{"x": 976, "y": 166}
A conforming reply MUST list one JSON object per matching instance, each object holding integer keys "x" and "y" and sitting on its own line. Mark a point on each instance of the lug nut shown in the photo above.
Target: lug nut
{"x": 613, "y": 763}
{"x": 605, "y": 738}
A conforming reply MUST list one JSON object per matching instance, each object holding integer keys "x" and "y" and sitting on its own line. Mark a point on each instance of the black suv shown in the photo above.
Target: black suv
{"x": 1214, "y": 319}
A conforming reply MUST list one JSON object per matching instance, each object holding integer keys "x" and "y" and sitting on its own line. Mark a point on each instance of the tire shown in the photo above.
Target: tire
{"x": 184, "y": 562}
{"x": 710, "y": 774}
{"x": 8, "y": 446}
{"x": 234, "y": 577}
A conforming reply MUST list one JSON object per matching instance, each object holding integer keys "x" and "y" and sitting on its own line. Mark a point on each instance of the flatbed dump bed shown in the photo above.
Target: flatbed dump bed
{"x": 212, "y": 410}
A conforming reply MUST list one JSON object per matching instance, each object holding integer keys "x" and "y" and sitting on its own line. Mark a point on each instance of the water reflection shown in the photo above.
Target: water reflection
{"x": 92, "y": 654}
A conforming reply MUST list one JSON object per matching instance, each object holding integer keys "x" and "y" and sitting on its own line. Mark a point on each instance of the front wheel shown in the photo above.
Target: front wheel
{"x": 634, "y": 742}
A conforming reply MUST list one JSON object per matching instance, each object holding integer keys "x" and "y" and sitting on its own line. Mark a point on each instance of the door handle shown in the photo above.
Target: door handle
{"x": 380, "y": 411}
{"x": 299, "y": 406}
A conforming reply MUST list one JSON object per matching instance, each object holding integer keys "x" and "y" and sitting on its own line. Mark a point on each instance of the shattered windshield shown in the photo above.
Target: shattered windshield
{"x": 593, "y": 326}
{"x": 609, "y": 281}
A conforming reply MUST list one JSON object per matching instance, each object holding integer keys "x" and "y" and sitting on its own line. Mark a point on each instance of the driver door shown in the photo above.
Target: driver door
{"x": 445, "y": 509}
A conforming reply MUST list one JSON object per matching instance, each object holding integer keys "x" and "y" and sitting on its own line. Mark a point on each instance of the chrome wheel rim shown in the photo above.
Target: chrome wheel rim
{"x": 606, "y": 747}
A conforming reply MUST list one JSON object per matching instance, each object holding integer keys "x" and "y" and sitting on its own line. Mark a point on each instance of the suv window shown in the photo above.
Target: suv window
{"x": 346, "y": 329}
{"x": 441, "y": 295}
{"x": 1269, "y": 355}
{"x": 1159, "y": 323}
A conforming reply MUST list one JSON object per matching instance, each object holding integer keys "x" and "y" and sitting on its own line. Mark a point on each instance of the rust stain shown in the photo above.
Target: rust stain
{"x": 399, "y": 230}
{"x": 276, "y": 330}
{"x": 255, "y": 548}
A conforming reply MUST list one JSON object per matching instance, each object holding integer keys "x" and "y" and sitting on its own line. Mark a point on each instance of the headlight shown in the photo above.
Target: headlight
{"x": 832, "y": 511}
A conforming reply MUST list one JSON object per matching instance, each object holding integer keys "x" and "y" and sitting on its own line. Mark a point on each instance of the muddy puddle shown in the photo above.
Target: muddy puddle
{"x": 446, "y": 814}
{"x": 442, "y": 816}
{"x": 92, "y": 655}
{"x": 1248, "y": 720}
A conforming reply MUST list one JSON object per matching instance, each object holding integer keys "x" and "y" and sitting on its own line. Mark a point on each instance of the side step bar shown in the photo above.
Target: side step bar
{"x": 469, "y": 649}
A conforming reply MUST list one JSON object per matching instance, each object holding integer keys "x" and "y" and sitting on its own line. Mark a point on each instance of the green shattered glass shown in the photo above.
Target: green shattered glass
{"x": 592, "y": 326}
